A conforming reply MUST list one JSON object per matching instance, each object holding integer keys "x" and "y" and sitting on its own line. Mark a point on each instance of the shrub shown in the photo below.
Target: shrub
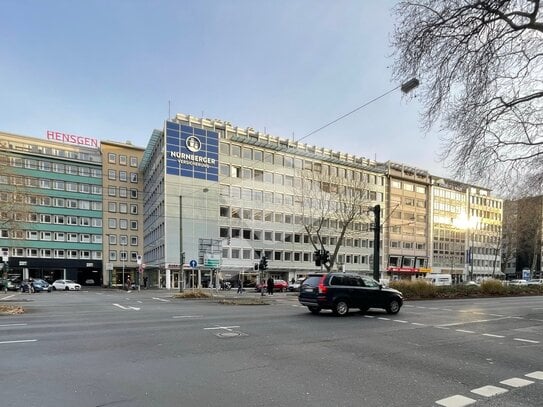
{"x": 493, "y": 287}
{"x": 193, "y": 294}
{"x": 416, "y": 289}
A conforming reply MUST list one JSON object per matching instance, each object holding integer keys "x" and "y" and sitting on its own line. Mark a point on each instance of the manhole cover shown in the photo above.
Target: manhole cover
{"x": 228, "y": 334}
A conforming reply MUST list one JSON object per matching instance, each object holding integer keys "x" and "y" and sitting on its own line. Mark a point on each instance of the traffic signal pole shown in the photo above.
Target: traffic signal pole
{"x": 376, "y": 240}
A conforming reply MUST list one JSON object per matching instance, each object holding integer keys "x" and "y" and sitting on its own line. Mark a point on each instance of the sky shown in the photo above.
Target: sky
{"x": 116, "y": 69}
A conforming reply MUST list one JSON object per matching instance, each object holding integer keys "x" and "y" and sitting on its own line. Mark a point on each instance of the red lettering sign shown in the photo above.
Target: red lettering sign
{"x": 72, "y": 139}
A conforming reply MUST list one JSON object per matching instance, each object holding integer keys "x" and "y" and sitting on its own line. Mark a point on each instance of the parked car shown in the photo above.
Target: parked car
{"x": 343, "y": 291}
{"x": 14, "y": 284}
{"x": 518, "y": 282}
{"x": 536, "y": 281}
{"x": 295, "y": 286}
{"x": 66, "y": 285}
{"x": 278, "y": 285}
{"x": 471, "y": 284}
{"x": 37, "y": 285}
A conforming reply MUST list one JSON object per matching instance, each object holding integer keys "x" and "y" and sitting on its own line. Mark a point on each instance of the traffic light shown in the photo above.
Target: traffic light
{"x": 264, "y": 262}
{"x": 317, "y": 256}
{"x": 325, "y": 256}
{"x": 257, "y": 266}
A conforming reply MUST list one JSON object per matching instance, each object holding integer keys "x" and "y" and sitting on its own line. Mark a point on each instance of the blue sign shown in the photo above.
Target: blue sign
{"x": 193, "y": 264}
{"x": 192, "y": 152}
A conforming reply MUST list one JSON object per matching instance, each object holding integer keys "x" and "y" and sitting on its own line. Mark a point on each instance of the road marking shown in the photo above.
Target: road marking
{"x": 517, "y": 318}
{"x": 447, "y": 309}
{"x": 9, "y": 296}
{"x": 186, "y": 316}
{"x": 525, "y": 340}
{"x": 383, "y": 319}
{"x": 535, "y": 375}
{"x": 489, "y": 391}
{"x": 21, "y": 341}
{"x": 4, "y": 325}
{"x": 417, "y": 323}
{"x": 127, "y": 307}
{"x": 456, "y": 401}
{"x": 400, "y": 321}
{"x": 441, "y": 327}
{"x": 369, "y": 316}
{"x": 160, "y": 299}
{"x": 516, "y": 382}
{"x": 494, "y": 336}
{"x": 228, "y": 328}
{"x": 473, "y": 322}
{"x": 139, "y": 302}
{"x": 465, "y": 331}
{"x": 496, "y": 315}
{"x": 418, "y": 306}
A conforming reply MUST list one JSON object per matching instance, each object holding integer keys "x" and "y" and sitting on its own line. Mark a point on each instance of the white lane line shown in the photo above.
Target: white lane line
{"x": 417, "y": 324}
{"x": 21, "y": 341}
{"x": 465, "y": 331}
{"x": 369, "y": 316}
{"x": 494, "y": 336}
{"x": 496, "y": 315}
{"x": 401, "y": 321}
{"x": 446, "y": 309}
{"x": 535, "y": 375}
{"x": 9, "y": 296}
{"x": 433, "y": 308}
{"x": 456, "y": 401}
{"x": 516, "y": 382}
{"x": 127, "y": 307}
{"x": 525, "y": 340}
{"x": 5, "y": 325}
{"x": 186, "y": 316}
{"x": 383, "y": 318}
{"x": 139, "y": 302}
{"x": 489, "y": 391}
{"x": 517, "y": 318}
{"x": 421, "y": 307}
{"x": 160, "y": 299}
{"x": 409, "y": 306}
{"x": 473, "y": 322}
{"x": 480, "y": 313}
{"x": 441, "y": 327}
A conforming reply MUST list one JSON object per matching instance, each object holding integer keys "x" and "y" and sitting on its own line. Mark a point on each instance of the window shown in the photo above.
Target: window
{"x": 134, "y": 193}
{"x": 123, "y": 207}
{"x": 111, "y": 157}
{"x": 122, "y": 176}
{"x": 112, "y": 175}
{"x": 134, "y": 177}
{"x": 112, "y": 207}
{"x": 133, "y": 161}
{"x": 133, "y": 225}
{"x": 122, "y": 159}
{"x": 133, "y": 209}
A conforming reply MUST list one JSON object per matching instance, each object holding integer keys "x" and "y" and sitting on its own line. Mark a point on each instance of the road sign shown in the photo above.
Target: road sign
{"x": 193, "y": 263}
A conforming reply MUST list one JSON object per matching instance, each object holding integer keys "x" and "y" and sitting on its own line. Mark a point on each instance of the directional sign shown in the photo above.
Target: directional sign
{"x": 193, "y": 263}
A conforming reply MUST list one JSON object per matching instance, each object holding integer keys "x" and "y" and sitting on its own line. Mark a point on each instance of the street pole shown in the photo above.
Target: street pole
{"x": 376, "y": 240}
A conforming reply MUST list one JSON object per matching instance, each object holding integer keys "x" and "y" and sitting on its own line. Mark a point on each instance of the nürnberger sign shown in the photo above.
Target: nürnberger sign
{"x": 72, "y": 139}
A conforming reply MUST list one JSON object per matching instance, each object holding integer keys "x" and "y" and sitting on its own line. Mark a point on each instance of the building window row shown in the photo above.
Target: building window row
{"x": 45, "y": 183}
{"x": 59, "y": 168}
{"x": 284, "y": 255}
{"x": 123, "y": 176}
{"x": 112, "y": 158}
{"x": 56, "y": 253}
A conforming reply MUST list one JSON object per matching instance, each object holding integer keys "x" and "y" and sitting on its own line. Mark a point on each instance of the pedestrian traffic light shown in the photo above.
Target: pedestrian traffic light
{"x": 317, "y": 256}
{"x": 257, "y": 266}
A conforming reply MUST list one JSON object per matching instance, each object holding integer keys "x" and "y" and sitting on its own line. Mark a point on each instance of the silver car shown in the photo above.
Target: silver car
{"x": 66, "y": 285}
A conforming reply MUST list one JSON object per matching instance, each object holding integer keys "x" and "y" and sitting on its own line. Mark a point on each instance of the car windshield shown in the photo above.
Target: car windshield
{"x": 312, "y": 281}
{"x": 69, "y": 282}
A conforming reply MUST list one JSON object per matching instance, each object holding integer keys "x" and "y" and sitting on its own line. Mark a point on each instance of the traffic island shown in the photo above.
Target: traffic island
{"x": 11, "y": 310}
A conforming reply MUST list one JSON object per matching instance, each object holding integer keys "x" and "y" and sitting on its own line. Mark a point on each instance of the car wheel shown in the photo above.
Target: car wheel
{"x": 393, "y": 307}
{"x": 341, "y": 308}
{"x": 54, "y": 288}
{"x": 314, "y": 310}
{"x": 49, "y": 290}
{"x": 66, "y": 288}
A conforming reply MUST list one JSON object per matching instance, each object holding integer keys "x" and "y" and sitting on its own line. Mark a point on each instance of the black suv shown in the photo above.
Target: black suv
{"x": 341, "y": 291}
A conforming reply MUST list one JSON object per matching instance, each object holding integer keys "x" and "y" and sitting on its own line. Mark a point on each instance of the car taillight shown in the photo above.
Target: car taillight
{"x": 322, "y": 287}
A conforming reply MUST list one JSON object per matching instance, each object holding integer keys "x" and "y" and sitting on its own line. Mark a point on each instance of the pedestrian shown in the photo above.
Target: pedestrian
{"x": 145, "y": 282}
{"x": 270, "y": 285}
{"x": 240, "y": 286}
{"x": 128, "y": 283}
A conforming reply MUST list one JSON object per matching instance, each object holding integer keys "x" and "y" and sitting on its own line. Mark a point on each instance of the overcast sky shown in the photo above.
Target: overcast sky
{"x": 110, "y": 70}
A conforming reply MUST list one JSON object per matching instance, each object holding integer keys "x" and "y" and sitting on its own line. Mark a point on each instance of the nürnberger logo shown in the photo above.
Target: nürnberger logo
{"x": 193, "y": 144}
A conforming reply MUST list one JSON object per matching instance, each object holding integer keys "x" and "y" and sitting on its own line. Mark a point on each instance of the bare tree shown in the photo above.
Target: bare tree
{"x": 330, "y": 207}
{"x": 480, "y": 63}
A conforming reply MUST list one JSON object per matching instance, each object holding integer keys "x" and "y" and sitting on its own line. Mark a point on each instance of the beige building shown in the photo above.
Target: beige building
{"x": 122, "y": 212}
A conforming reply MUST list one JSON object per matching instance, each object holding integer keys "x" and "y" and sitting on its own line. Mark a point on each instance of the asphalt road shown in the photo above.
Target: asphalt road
{"x": 111, "y": 348}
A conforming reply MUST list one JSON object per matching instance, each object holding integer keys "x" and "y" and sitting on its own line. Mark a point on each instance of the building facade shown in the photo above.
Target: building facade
{"x": 51, "y": 209}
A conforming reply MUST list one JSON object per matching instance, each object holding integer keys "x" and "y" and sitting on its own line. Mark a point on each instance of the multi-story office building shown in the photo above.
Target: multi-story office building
{"x": 123, "y": 212}
{"x": 51, "y": 206}
{"x": 466, "y": 230}
{"x": 407, "y": 237}
{"x": 221, "y": 195}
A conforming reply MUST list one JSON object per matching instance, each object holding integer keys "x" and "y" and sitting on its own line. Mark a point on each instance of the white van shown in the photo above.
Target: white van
{"x": 439, "y": 279}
